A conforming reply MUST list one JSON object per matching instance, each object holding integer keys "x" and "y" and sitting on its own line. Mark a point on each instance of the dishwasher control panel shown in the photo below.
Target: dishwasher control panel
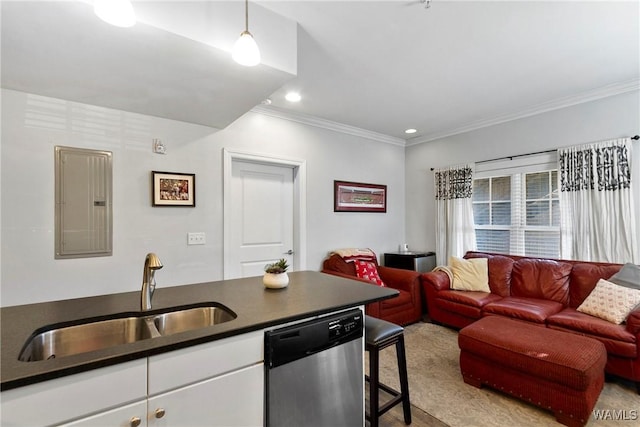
{"x": 344, "y": 327}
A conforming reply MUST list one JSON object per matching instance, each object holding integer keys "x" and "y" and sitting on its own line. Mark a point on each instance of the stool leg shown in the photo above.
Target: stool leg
{"x": 404, "y": 380}
{"x": 374, "y": 397}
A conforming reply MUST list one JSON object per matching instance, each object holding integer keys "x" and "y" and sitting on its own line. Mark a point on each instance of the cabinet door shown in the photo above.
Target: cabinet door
{"x": 233, "y": 399}
{"x": 74, "y": 396}
{"x": 133, "y": 415}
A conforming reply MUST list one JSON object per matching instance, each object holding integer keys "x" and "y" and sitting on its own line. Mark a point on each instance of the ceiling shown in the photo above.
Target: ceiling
{"x": 455, "y": 66}
{"x": 379, "y": 66}
{"x": 62, "y": 50}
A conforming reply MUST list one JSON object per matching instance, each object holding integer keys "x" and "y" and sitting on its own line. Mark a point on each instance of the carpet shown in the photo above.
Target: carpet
{"x": 436, "y": 387}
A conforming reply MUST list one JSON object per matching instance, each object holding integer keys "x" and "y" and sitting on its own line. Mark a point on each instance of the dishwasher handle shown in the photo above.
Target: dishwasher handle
{"x": 322, "y": 348}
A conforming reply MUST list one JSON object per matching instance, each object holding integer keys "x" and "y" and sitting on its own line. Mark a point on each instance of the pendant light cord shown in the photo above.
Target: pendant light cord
{"x": 246, "y": 15}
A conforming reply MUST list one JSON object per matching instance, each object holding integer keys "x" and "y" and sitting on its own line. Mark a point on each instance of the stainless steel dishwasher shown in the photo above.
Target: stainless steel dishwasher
{"x": 314, "y": 373}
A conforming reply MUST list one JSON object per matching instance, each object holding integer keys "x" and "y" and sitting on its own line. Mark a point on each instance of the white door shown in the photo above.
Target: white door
{"x": 261, "y": 217}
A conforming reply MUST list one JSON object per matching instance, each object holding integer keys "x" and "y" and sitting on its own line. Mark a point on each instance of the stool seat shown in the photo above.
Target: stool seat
{"x": 380, "y": 334}
{"x": 378, "y": 330}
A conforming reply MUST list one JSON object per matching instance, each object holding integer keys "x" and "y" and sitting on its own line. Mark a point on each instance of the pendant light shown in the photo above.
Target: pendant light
{"x": 115, "y": 12}
{"x": 245, "y": 51}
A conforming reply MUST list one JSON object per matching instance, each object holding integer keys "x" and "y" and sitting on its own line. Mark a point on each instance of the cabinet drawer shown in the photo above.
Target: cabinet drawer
{"x": 189, "y": 365}
{"x": 62, "y": 399}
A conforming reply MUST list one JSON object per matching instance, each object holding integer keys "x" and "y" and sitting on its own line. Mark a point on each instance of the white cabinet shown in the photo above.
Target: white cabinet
{"x": 74, "y": 396}
{"x": 220, "y": 383}
{"x": 214, "y": 384}
{"x": 177, "y": 368}
{"x": 233, "y": 399}
{"x": 133, "y": 415}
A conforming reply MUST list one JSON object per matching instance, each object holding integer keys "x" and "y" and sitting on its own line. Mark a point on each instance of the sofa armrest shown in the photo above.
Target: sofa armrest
{"x": 394, "y": 278}
{"x": 437, "y": 280}
{"x": 347, "y": 276}
{"x": 397, "y": 278}
{"x": 633, "y": 322}
{"x": 371, "y": 309}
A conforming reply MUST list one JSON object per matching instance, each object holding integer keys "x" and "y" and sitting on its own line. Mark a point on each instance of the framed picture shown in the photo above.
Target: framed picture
{"x": 173, "y": 189}
{"x": 359, "y": 197}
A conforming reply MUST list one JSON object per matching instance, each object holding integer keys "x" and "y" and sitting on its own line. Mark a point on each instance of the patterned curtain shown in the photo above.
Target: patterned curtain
{"x": 596, "y": 202}
{"x": 455, "y": 233}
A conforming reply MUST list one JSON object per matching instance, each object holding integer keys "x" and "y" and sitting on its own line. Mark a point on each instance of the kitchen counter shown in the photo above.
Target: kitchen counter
{"x": 308, "y": 294}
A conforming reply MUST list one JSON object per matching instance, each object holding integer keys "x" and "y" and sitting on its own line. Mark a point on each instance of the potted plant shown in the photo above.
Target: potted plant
{"x": 275, "y": 275}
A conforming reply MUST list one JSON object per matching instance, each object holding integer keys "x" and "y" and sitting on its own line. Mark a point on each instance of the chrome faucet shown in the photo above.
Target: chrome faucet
{"x": 151, "y": 264}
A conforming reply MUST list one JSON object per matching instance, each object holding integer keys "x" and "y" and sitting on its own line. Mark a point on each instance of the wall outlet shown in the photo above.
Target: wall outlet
{"x": 196, "y": 239}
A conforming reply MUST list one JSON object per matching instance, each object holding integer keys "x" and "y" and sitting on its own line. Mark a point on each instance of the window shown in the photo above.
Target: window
{"x": 518, "y": 214}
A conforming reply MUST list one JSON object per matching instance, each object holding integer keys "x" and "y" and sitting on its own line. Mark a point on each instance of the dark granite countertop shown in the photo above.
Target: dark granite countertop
{"x": 308, "y": 294}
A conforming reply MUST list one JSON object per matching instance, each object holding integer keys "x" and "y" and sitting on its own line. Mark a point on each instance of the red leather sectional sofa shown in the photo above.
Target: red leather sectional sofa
{"x": 543, "y": 292}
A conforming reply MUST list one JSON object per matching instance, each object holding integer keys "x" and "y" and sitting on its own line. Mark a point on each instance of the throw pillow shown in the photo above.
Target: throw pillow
{"x": 368, "y": 270}
{"x": 470, "y": 274}
{"x": 610, "y": 302}
{"x": 628, "y": 276}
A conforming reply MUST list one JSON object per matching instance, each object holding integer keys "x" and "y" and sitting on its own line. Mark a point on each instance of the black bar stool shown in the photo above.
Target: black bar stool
{"x": 380, "y": 334}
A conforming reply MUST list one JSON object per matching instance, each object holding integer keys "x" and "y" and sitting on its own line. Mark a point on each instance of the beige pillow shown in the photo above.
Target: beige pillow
{"x": 470, "y": 274}
{"x": 610, "y": 302}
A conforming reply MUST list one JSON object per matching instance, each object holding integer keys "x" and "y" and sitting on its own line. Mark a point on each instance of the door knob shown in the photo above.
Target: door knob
{"x": 289, "y": 252}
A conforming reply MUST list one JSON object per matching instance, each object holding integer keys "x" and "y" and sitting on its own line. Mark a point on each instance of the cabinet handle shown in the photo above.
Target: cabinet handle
{"x": 159, "y": 413}
{"x": 135, "y": 421}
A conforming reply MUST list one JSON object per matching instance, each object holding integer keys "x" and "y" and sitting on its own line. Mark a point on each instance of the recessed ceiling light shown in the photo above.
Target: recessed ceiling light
{"x": 410, "y": 131}
{"x": 293, "y": 97}
{"x": 266, "y": 101}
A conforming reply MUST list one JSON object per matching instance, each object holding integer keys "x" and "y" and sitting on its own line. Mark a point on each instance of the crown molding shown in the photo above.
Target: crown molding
{"x": 556, "y": 104}
{"x": 326, "y": 124}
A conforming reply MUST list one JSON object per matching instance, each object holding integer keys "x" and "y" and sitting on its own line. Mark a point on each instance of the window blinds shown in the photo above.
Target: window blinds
{"x": 516, "y": 206}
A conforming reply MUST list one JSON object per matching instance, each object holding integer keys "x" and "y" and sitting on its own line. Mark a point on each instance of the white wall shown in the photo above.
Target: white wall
{"x": 608, "y": 118}
{"x": 32, "y": 125}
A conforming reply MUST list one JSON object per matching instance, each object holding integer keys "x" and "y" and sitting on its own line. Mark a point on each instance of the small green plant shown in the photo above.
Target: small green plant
{"x": 277, "y": 267}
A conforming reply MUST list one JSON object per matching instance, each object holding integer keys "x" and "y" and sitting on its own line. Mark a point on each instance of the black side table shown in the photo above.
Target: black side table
{"x": 421, "y": 262}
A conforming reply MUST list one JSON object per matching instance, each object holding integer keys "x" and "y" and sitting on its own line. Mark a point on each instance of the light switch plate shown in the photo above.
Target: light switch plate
{"x": 196, "y": 238}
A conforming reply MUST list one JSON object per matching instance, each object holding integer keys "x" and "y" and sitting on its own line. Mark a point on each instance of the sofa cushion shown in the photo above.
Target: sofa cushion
{"x": 616, "y": 338}
{"x": 458, "y": 308}
{"x": 584, "y": 277}
{"x": 500, "y": 268}
{"x": 529, "y": 309}
{"x": 473, "y": 299}
{"x": 610, "y": 302}
{"x": 469, "y": 274}
{"x": 368, "y": 270}
{"x": 541, "y": 278}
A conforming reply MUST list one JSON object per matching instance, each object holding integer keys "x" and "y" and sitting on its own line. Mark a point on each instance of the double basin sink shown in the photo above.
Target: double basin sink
{"x": 54, "y": 341}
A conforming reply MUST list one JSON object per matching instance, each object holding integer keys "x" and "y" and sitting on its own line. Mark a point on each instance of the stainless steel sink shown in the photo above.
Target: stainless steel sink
{"x": 86, "y": 337}
{"x": 56, "y": 342}
{"x": 189, "y": 319}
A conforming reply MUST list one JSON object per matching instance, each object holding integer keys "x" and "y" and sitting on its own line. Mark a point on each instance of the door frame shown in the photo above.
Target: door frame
{"x": 299, "y": 168}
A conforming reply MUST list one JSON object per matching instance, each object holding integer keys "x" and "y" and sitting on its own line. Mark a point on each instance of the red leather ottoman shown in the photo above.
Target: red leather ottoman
{"x": 558, "y": 371}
